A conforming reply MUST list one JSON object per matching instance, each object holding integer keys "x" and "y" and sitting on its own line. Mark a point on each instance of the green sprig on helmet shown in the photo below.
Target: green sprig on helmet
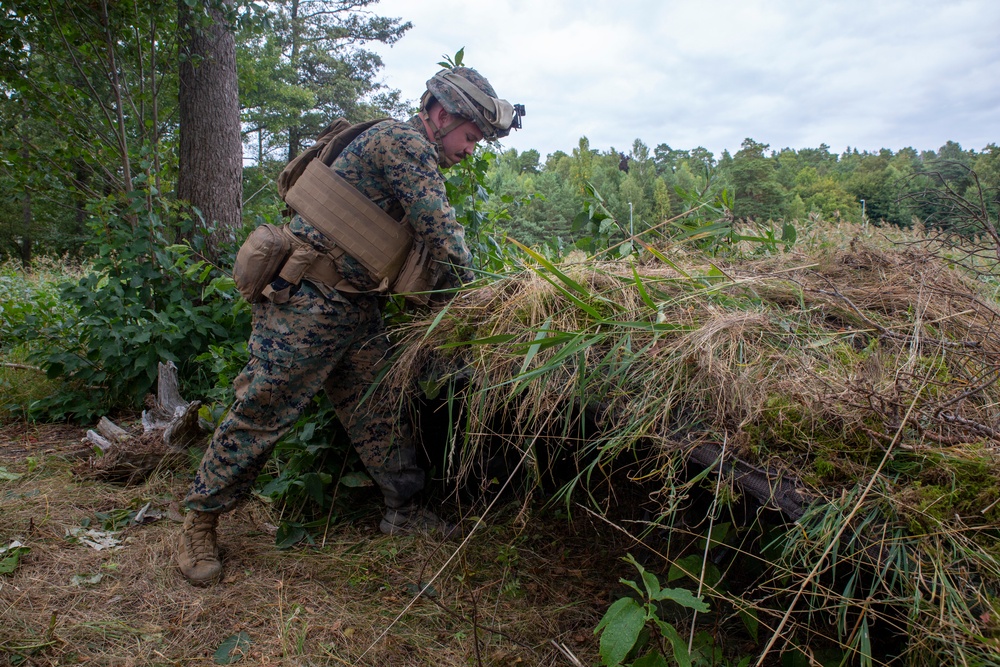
{"x": 465, "y": 93}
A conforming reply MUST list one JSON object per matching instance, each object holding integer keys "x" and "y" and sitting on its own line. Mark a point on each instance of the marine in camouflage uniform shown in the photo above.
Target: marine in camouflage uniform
{"x": 322, "y": 338}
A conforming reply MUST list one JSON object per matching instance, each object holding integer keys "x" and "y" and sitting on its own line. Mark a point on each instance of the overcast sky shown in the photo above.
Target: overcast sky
{"x": 869, "y": 74}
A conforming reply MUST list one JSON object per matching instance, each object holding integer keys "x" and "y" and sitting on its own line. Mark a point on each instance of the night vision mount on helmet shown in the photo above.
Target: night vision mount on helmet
{"x": 465, "y": 93}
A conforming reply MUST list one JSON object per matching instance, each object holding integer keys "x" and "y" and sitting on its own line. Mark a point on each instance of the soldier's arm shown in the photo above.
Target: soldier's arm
{"x": 412, "y": 172}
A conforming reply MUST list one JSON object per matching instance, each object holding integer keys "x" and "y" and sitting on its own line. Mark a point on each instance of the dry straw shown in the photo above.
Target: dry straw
{"x": 866, "y": 375}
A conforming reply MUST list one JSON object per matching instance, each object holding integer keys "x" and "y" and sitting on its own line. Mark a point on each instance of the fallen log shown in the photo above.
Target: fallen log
{"x": 771, "y": 488}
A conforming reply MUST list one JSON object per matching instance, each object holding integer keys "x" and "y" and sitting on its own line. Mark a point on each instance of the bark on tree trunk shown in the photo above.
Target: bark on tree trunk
{"x": 25, "y": 245}
{"x": 26, "y": 232}
{"x": 293, "y": 131}
{"x": 211, "y": 152}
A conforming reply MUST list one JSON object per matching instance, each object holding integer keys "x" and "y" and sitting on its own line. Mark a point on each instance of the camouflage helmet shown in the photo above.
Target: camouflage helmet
{"x": 466, "y": 93}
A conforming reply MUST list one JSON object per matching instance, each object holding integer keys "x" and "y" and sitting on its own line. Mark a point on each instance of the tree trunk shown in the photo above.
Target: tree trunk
{"x": 210, "y": 174}
{"x": 26, "y": 217}
{"x": 26, "y": 234}
{"x": 82, "y": 176}
{"x": 293, "y": 131}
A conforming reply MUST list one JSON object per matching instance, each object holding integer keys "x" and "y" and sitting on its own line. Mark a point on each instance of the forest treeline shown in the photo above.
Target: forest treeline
{"x": 90, "y": 113}
{"x": 642, "y": 187}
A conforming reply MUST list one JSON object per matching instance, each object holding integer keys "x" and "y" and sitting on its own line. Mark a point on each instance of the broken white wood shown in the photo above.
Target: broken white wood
{"x": 177, "y": 418}
{"x": 168, "y": 399}
{"x": 111, "y": 430}
{"x": 98, "y": 441}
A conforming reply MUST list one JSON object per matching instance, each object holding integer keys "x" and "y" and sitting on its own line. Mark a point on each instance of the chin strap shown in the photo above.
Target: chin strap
{"x": 440, "y": 134}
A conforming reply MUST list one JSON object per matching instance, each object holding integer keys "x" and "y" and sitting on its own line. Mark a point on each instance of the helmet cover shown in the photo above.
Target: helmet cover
{"x": 464, "y": 92}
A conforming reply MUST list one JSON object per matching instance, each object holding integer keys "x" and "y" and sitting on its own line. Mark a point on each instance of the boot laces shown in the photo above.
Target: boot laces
{"x": 201, "y": 538}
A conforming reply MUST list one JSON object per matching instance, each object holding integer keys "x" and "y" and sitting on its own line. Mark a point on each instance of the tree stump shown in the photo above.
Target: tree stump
{"x": 169, "y": 427}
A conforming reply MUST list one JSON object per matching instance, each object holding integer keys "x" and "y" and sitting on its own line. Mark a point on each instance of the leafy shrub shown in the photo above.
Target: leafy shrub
{"x": 30, "y": 301}
{"x": 141, "y": 303}
{"x": 630, "y": 624}
{"x": 310, "y": 468}
{"x": 470, "y": 195}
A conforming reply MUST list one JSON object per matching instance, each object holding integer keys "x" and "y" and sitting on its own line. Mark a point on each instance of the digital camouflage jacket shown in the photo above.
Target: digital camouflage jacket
{"x": 396, "y": 166}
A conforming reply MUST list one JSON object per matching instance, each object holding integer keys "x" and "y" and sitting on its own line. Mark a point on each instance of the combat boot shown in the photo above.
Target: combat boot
{"x": 198, "y": 550}
{"x": 411, "y": 519}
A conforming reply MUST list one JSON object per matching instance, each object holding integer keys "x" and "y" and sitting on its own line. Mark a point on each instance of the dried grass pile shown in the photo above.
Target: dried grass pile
{"x": 867, "y": 376}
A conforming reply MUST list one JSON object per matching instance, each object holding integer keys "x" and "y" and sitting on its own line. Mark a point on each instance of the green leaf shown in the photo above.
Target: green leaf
{"x": 9, "y": 476}
{"x": 643, "y": 294}
{"x": 793, "y": 657}
{"x": 276, "y": 487}
{"x": 543, "y": 333}
{"x": 315, "y": 485}
{"x": 789, "y": 234}
{"x": 689, "y": 566}
{"x": 683, "y": 597}
{"x": 652, "y": 584}
{"x": 717, "y": 537}
{"x": 232, "y": 649}
{"x": 354, "y": 480}
{"x": 10, "y": 562}
{"x": 620, "y": 629}
{"x": 750, "y": 622}
{"x": 307, "y": 431}
{"x": 652, "y": 659}
{"x": 437, "y": 320}
{"x": 681, "y": 653}
{"x": 488, "y": 340}
{"x": 865, "y": 643}
{"x": 581, "y": 221}
{"x": 430, "y": 388}
{"x": 288, "y": 535}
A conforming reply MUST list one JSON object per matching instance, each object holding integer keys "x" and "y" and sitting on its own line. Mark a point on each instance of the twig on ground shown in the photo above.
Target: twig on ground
{"x": 21, "y": 367}
{"x": 566, "y": 653}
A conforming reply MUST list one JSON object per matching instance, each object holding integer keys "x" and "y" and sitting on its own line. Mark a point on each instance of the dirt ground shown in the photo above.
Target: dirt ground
{"x": 513, "y": 592}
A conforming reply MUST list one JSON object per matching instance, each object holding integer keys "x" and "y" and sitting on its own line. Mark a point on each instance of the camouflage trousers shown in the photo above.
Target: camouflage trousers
{"x": 296, "y": 349}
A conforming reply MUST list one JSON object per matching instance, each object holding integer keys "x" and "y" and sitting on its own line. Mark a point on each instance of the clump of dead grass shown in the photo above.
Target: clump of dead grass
{"x": 868, "y": 374}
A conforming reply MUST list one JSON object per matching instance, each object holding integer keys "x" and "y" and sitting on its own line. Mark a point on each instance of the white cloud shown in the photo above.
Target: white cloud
{"x": 787, "y": 73}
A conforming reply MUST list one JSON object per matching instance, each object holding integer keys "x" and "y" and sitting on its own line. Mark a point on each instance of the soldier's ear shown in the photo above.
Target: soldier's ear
{"x": 440, "y": 115}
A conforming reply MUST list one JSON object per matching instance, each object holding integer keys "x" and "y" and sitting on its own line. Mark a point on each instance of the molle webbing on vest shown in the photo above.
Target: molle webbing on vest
{"x": 355, "y": 223}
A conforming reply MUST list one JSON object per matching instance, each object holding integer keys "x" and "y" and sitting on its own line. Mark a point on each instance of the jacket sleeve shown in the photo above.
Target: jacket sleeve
{"x": 411, "y": 171}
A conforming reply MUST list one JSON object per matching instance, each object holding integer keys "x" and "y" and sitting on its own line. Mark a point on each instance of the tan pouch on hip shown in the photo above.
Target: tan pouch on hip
{"x": 416, "y": 277}
{"x": 259, "y": 260}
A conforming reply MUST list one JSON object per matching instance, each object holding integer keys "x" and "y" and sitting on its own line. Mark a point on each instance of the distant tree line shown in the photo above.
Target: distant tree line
{"x": 643, "y": 187}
